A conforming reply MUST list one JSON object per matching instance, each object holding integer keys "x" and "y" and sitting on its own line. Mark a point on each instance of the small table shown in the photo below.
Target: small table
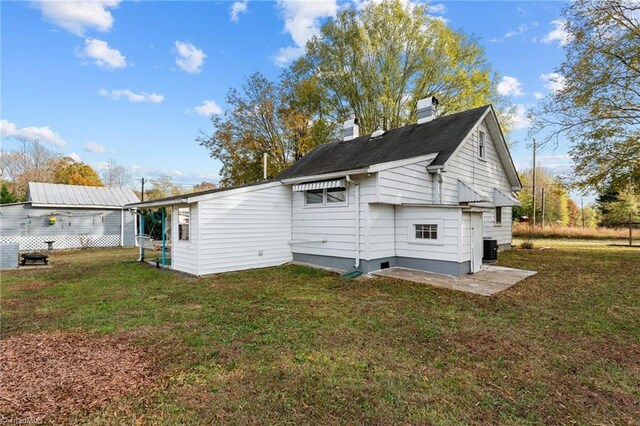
{"x": 35, "y": 257}
{"x": 49, "y": 245}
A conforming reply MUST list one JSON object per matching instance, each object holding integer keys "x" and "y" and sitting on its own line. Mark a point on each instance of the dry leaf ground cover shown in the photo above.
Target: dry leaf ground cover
{"x": 296, "y": 345}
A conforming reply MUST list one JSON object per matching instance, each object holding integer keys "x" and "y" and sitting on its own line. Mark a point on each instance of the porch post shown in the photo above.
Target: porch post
{"x": 164, "y": 237}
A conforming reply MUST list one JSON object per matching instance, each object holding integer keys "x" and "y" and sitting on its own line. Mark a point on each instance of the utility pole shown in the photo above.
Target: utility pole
{"x": 142, "y": 191}
{"x": 543, "y": 203}
{"x": 533, "y": 193}
{"x": 582, "y": 209}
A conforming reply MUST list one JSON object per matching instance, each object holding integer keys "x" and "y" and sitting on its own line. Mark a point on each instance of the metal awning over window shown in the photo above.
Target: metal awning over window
{"x": 504, "y": 200}
{"x": 340, "y": 183}
{"x": 470, "y": 194}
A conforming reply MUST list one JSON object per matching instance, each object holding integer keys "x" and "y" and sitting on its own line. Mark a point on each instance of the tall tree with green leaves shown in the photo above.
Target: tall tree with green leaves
{"x": 556, "y": 198}
{"x": 376, "y": 62}
{"x": 279, "y": 118}
{"x": 598, "y": 104}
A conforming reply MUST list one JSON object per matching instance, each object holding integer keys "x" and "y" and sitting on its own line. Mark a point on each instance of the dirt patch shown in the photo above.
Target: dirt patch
{"x": 48, "y": 377}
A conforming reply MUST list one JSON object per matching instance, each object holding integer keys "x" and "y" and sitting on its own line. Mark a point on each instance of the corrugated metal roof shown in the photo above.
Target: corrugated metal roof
{"x": 77, "y": 195}
{"x": 504, "y": 200}
{"x": 470, "y": 194}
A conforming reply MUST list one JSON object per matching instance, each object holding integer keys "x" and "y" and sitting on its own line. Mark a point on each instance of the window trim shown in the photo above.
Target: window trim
{"x": 497, "y": 222}
{"x": 411, "y": 231}
{"x": 325, "y": 202}
{"x": 188, "y": 240}
{"x": 482, "y": 145}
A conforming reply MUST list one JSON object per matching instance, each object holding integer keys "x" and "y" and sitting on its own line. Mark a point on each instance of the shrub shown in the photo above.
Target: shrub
{"x": 527, "y": 245}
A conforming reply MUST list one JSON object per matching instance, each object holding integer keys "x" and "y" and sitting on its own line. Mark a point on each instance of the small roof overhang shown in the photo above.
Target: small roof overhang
{"x": 504, "y": 200}
{"x": 338, "y": 183}
{"x": 469, "y": 194}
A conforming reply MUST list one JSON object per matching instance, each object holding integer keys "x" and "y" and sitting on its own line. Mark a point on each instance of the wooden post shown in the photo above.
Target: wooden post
{"x": 630, "y": 233}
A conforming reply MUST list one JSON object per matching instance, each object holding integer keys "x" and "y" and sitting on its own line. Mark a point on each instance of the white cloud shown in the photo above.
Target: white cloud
{"x": 437, "y": 8}
{"x": 190, "y": 58}
{"x": 553, "y": 81}
{"x": 287, "y": 54}
{"x": 510, "y": 86}
{"x": 77, "y": 16}
{"x": 30, "y": 134}
{"x": 302, "y": 22}
{"x": 116, "y": 94}
{"x": 208, "y": 108}
{"x": 538, "y": 95}
{"x": 94, "y": 148}
{"x": 558, "y": 34}
{"x": 521, "y": 29}
{"x": 74, "y": 157}
{"x": 238, "y": 8}
{"x": 518, "y": 117}
{"x": 102, "y": 55}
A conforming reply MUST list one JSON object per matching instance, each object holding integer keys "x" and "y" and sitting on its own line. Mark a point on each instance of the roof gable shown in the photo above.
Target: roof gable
{"x": 442, "y": 136}
{"x": 77, "y": 195}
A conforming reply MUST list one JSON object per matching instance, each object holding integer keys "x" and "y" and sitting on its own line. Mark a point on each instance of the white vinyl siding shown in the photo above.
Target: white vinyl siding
{"x": 448, "y": 250}
{"x": 483, "y": 175}
{"x": 405, "y": 184}
{"x": 184, "y": 253}
{"x": 333, "y": 222}
{"x": 382, "y": 228}
{"x": 245, "y": 229}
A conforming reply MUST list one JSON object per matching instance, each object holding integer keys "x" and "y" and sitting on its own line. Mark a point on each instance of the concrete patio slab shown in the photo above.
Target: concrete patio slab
{"x": 489, "y": 281}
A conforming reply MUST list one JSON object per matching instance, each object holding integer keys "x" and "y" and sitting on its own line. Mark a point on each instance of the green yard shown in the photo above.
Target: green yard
{"x": 297, "y": 345}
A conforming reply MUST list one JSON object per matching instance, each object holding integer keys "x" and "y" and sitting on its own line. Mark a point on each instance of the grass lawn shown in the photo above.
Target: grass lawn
{"x": 296, "y": 345}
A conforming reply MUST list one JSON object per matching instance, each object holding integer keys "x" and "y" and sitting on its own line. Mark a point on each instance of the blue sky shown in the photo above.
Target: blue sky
{"x": 137, "y": 81}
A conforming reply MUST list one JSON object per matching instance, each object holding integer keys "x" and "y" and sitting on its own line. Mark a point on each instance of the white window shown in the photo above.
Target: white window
{"x": 326, "y": 196}
{"x": 481, "y": 145}
{"x": 498, "y": 215}
{"x": 184, "y": 214}
{"x": 426, "y": 231}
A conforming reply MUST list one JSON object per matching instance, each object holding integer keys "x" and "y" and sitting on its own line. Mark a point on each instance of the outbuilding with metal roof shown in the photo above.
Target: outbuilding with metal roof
{"x": 68, "y": 217}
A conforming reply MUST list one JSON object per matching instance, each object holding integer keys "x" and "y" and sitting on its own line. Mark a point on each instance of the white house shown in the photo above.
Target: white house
{"x": 422, "y": 196}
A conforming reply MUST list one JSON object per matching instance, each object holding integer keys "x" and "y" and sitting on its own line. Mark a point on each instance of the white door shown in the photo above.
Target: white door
{"x": 476, "y": 242}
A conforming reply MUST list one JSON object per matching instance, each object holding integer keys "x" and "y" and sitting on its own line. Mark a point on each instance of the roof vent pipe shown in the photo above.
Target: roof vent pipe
{"x": 350, "y": 129}
{"x": 427, "y": 109}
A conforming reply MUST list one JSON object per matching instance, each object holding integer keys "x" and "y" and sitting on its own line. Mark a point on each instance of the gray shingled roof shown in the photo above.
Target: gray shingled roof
{"x": 76, "y": 195}
{"x": 442, "y": 136}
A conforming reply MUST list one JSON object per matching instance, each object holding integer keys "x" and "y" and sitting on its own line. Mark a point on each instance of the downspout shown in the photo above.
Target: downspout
{"x": 357, "y": 236}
